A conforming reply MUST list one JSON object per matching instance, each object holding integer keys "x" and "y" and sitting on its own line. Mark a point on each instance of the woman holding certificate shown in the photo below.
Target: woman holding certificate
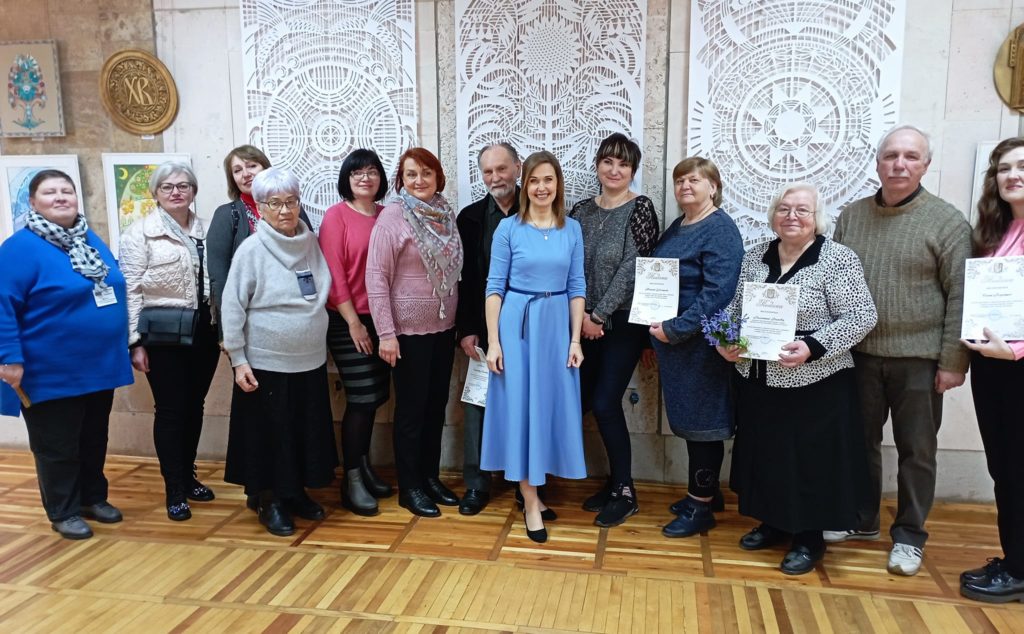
{"x": 618, "y": 225}
{"x": 798, "y": 461}
{"x": 695, "y": 380}
{"x": 997, "y": 373}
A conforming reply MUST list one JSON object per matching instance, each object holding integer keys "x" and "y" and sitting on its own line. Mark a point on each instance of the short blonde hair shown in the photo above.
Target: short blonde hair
{"x": 822, "y": 222}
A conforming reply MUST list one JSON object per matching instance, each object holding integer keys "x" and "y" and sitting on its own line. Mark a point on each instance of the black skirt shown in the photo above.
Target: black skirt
{"x": 288, "y": 442}
{"x": 367, "y": 379}
{"x": 799, "y": 461}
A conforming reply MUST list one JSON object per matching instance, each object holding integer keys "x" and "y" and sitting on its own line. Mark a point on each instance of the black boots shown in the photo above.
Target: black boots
{"x": 274, "y": 516}
{"x": 374, "y": 485}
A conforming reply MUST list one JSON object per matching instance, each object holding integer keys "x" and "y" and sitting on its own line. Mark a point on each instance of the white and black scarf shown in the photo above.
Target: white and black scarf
{"x": 85, "y": 259}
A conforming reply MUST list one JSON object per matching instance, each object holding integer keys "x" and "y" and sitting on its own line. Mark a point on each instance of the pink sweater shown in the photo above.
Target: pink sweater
{"x": 345, "y": 242}
{"x": 402, "y": 300}
{"x": 1013, "y": 244}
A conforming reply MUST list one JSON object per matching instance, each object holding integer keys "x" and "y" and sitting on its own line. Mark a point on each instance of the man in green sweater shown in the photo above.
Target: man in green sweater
{"x": 913, "y": 246}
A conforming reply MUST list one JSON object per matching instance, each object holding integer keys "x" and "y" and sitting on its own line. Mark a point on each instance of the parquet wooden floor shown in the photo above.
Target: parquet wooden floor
{"x": 222, "y": 572}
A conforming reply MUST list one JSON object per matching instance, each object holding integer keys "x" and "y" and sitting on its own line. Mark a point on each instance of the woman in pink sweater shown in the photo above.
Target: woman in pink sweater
{"x": 412, "y": 275}
{"x": 351, "y": 336}
{"x": 997, "y": 373}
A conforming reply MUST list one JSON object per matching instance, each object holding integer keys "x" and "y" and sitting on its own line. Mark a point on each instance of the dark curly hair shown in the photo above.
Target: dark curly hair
{"x": 994, "y": 213}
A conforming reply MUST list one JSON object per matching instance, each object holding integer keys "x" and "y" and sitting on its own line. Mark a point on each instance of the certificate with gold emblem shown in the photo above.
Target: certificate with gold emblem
{"x": 656, "y": 291}
{"x": 994, "y": 298}
{"x": 769, "y": 318}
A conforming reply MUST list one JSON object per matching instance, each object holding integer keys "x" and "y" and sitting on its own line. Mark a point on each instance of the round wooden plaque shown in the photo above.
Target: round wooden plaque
{"x": 138, "y": 92}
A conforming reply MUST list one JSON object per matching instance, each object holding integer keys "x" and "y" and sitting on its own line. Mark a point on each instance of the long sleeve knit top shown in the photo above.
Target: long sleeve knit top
{"x": 913, "y": 256}
{"x": 401, "y": 297}
{"x": 1013, "y": 244}
{"x": 345, "y": 242}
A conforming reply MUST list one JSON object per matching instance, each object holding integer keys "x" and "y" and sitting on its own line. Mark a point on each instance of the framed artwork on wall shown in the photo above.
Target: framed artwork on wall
{"x": 126, "y": 182}
{"x": 32, "y": 106}
{"x": 16, "y": 171}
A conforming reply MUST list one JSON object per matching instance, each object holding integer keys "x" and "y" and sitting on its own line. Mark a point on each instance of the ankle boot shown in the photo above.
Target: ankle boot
{"x": 274, "y": 516}
{"x": 354, "y": 495}
{"x": 374, "y": 485}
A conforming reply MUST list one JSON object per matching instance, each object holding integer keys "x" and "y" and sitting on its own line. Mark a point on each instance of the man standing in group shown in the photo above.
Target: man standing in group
{"x": 500, "y": 167}
{"x": 913, "y": 246}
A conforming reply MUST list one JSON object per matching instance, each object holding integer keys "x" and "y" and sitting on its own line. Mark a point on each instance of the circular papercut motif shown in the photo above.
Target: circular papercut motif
{"x": 138, "y": 92}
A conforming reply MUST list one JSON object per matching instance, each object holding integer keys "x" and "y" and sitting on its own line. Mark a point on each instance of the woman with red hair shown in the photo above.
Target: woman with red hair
{"x": 412, "y": 275}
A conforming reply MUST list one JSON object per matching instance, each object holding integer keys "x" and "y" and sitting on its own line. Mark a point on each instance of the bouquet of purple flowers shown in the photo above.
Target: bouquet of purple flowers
{"x": 722, "y": 330}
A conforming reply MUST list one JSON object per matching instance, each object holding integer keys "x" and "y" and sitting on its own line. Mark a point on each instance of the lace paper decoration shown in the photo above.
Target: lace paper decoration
{"x": 793, "y": 90}
{"x": 557, "y": 75}
{"x": 324, "y": 78}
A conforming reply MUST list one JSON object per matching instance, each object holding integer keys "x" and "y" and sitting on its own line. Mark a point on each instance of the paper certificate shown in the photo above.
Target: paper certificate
{"x": 475, "y": 390}
{"x": 994, "y": 297}
{"x": 656, "y": 291}
{"x": 769, "y": 311}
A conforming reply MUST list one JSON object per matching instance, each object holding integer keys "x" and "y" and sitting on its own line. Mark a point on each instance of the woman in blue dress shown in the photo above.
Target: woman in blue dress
{"x": 533, "y": 425}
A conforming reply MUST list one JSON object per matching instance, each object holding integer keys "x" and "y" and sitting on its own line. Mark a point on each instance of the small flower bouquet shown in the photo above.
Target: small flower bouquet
{"x": 722, "y": 330}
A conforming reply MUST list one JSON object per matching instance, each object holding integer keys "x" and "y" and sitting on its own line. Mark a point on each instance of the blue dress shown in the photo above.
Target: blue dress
{"x": 533, "y": 424}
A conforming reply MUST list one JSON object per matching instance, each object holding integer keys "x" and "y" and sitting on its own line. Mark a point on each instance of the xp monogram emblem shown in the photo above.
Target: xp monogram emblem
{"x": 138, "y": 92}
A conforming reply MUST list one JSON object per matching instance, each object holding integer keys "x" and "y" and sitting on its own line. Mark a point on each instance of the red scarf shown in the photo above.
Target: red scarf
{"x": 253, "y": 214}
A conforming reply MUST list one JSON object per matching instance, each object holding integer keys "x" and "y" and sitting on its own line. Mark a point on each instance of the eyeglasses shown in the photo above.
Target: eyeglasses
{"x": 276, "y": 205}
{"x": 799, "y": 212}
{"x": 167, "y": 188}
{"x": 368, "y": 174}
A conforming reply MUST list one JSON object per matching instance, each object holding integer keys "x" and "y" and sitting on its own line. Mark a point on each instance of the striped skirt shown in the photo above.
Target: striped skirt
{"x": 367, "y": 379}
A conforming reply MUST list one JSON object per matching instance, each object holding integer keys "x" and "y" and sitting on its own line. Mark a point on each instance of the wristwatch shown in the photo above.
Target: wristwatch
{"x": 595, "y": 319}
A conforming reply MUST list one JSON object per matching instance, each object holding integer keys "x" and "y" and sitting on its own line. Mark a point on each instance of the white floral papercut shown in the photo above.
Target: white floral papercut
{"x": 792, "y": 90}
{"x": 324, "y": 78}
{"x": 556, "y": 75}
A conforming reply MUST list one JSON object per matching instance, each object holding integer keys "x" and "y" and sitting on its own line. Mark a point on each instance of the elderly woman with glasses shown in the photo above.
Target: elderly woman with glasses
{"x": 164, "y": 265}
{"x": 798, "y": 462}
{"x": 275, "y": 330}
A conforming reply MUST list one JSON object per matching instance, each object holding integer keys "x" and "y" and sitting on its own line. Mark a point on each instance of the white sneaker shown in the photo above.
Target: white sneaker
{"x": 905, "y": 560}
{"x": 834, "y": 537}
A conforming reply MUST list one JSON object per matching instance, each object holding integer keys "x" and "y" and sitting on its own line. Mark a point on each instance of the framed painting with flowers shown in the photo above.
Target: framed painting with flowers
{"x": 31, "y": 105}
{"x": 126, "y": 181}
{"x": 16, "y": 172}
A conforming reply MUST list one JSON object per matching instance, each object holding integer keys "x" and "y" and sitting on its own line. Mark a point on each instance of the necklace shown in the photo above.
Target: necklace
{"x": 700, "y": 215}
{"x": 544, "y": 231}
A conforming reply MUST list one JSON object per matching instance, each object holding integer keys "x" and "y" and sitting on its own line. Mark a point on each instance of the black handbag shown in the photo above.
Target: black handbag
{"x": 172, "y": 326}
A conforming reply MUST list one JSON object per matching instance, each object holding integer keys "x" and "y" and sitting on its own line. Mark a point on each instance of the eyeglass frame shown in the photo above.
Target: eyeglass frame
{"x": 798, "y": 213}
{"x": 281, "y": 204}
{"x": 168, "y": 188}
{"x": 369, "y": 174}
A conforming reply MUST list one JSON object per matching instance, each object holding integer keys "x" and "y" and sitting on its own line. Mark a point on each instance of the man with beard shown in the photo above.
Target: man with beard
{"x": 500, "y": 167}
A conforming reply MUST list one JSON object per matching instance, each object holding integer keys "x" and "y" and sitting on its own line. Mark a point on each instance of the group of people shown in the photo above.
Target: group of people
{"x": 542, "y": 293}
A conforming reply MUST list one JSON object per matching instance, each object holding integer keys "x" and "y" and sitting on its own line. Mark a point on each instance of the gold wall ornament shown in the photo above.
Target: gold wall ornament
{"x": 138, "y": 92}
{"x": 1008, "y": 70}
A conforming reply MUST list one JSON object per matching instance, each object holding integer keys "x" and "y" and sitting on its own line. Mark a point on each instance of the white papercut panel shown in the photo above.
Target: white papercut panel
{"x": 793, "y": 90}
{"x": 556, "y": 75}
{"x": 323, "y": 78}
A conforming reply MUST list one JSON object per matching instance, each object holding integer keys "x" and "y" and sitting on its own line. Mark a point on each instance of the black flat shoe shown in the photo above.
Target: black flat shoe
{"x": 992, "y": 567}
{"x": 303, "y": 506}
{"x": 621, "y": 506}
{"x": 441, "y": 494}
{"x": 717, "y": 503}
{"x": 103, "y": 512}
{"x": 800, "y": 560}
{"x": 73, "y": 527}
{"x": 540, "y": 536}
{"x": 274, "y": 517}
{"x": 376, "y": 486}
{"x": 595, "y": 503}
{"x": 1002, "y": 587}
{"x": 695, "y": 517}
{"x": 199, "y": 492}
{"x": 179, "y": 512}
{"x": 763, "y": 536}
{"x": 417, "y": 502}
{"x": 474, "y": 501}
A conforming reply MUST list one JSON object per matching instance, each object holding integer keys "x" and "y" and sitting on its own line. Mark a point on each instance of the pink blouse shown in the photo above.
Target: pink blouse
{"x": 1013, "y": 244}
{"x": 345, "y": 242}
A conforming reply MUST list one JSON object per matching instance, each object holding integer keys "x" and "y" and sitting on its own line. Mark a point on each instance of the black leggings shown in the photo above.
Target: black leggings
{"x": 705, "y": 464}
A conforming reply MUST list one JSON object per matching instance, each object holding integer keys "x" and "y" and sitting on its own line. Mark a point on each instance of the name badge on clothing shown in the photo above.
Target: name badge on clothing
{"x": 306, "y": 284}
{"x": 104, "y": 296}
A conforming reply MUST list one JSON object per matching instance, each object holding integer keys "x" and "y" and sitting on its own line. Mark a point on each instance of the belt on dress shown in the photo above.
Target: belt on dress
{"x": 534, "y": 296}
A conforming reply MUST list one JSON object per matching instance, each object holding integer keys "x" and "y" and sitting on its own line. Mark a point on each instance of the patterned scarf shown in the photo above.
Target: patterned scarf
{"x": 252, "y": 214}
{"x": 85, "y": 259}
{"x": 433, "y": 229}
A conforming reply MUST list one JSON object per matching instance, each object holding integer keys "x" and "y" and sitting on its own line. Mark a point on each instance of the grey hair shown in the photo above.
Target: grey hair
{"x": 822, "y": 222}
{"x": 905, "y": 126}
{"x": 170, "y": 168}
{"x": 274, "y": 180}
{"x": 502, "y": 144}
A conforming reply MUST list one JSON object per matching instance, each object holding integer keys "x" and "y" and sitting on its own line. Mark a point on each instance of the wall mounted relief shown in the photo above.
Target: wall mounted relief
{"x": 138, "y": 92}
{"x": 126, "y": 181}
{"x": 793, "y": 90}
{"x": 16, "y": 172}
{"x": 325, "y": 78}
{"x": 556, "y": 75}
{"x": 32, "y": 106}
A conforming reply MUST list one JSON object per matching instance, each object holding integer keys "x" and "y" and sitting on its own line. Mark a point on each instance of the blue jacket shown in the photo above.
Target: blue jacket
{"x": 49, "y": 322}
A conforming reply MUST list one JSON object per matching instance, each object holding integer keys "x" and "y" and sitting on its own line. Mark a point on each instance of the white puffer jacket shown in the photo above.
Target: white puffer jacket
{"x": 158, "y": 267}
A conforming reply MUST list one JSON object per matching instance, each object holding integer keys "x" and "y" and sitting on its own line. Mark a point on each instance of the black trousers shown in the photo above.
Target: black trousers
{"x": 994, "y": 383}
{"x": 68, "y": 438}
{"x": 180, "y": 377}
{"x": 421, "y": 379}
{"x": 608, "y": 364}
